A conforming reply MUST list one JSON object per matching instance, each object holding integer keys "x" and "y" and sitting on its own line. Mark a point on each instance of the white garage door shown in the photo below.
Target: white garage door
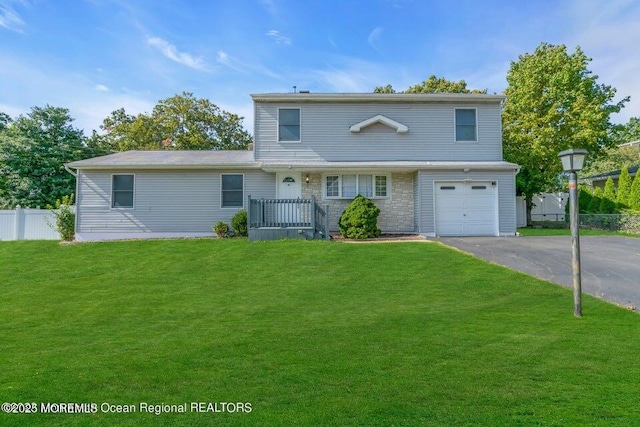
{"x": 466, "y": 209}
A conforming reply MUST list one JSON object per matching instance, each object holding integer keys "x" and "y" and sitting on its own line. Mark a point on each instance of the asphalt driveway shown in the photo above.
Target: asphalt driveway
{"x": 610, "y": 265}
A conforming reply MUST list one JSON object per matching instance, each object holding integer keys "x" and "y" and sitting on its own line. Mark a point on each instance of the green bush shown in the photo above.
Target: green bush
{"x": 624, "y": 189}
{"x": 239, "y": 223}
{"x": 65, "y": 218}
{"x": 608, "y": 202}
{"x": 584, "y": 198}
{"x": 221, "y": 229}
{"x": 596, "y": 199}
{"x": 360, "y": 219}
{"x": 634, "y": 196}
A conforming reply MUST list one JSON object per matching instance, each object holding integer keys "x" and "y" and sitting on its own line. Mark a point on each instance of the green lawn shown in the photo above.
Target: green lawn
{"x": 308, "y": 333}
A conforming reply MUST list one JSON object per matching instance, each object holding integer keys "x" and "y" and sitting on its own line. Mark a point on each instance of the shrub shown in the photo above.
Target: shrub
{"x": 584, "y": 198}
{"x": 634, "y": 197}
{"x": 624, "y": 189}
{"x": 608, "y": 202}
{"x": 221, "y": 229}
{"x": 596, "y": 199}
{"x": 360, "y": 219}
{"x": 65, "y": 218}
{"x": 239, "y": 223}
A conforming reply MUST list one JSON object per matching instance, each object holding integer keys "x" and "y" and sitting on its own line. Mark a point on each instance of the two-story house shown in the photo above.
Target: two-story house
{"x": 432, "y": 163}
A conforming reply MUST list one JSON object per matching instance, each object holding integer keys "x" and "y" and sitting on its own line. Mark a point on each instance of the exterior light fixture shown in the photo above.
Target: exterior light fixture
{"x": 572, "y": 162}
{"x": 306, "y": 179}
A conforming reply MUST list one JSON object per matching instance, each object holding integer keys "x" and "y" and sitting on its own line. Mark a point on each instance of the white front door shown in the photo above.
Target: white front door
{"x": 289, "y": 187}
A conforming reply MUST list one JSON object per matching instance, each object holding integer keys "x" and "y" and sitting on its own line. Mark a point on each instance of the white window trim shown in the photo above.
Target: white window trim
{"x": 243, "y": 191}
{"x": 455, "y": 125}
{"x": 133, "y": 206}
{"x": 339, "y": 175}
{"x": 278, "y": 124}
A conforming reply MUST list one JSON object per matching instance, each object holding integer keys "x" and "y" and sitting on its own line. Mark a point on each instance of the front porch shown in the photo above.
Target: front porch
{"x": 273, "y": 219}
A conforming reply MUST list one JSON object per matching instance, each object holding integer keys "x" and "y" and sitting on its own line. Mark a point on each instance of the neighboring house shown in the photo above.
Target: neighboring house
{"x": 432, "y": 163}
{"x": 601, "y": 179}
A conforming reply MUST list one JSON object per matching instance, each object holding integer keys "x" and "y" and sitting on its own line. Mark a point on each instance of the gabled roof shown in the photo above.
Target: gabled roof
{"x": 170, "y": 160}
{"x": 399, "y": 127}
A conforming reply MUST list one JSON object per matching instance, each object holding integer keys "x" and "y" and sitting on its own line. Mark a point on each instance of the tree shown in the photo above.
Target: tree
{"x": 596, "y": 200}
{"x": 33, "y": 151}
{"x": 634, "y": 197}
{"x": 181, "y": 122}
{"x": 5, "y": 121}
{"x": 441, "y": 85}
{"x": 584, "y": 198}
{"x": 433, "y": 85}
{"x": 385, "y": 89}
{"x": 629, "y": 132}
{"x": 553, "y": 103}
{"x": 624, "y": 189}
{"x": 608, "y": 202}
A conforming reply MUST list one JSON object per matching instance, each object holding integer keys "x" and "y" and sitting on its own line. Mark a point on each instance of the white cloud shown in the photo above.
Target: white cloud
{"x": 102, "y": 88}
{"x": 278, "y": 38}
{"x": 231, "y": 62}
{"x": 374, "y": 36}
{"x": 171, "y": 52}
{"x": 9, "y": 18}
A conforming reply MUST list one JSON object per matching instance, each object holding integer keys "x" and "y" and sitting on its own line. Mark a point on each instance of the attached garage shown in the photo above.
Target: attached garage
{"x": 466, "y": 208}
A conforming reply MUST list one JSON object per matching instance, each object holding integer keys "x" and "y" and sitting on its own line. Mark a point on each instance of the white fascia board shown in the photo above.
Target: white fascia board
{"x": 399, "y": 127}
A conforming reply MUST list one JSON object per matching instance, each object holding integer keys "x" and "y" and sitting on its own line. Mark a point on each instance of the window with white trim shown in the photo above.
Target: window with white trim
{"x": 466, "y": 124}
{"x": 122, "y": 191}
{"x": 232, "y": 190}
{"x": 348, "y": 186}
{"x": 289, "y": 124}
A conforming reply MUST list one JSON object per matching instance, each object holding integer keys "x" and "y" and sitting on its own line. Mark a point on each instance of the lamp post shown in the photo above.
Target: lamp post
{"x": 572, "y": 162}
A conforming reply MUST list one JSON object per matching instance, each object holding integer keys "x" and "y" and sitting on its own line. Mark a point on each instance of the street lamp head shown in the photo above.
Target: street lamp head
{"x": 573, "y": 159}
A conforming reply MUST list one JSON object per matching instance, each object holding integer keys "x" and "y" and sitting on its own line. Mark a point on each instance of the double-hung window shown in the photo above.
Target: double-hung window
{"x": 232, "y": 190}
{"x": 289, "y": 125}
{"x": 348, "y": 186}
{"x": 122, "y": 191}
{"x": 466, "y": 125}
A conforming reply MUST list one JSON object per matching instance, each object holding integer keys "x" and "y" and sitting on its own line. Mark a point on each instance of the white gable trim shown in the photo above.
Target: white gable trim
{"x": 399, "y": 127}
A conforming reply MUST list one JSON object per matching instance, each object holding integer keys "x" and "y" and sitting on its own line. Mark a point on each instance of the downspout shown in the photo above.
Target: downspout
{"x": 75, "y": 174}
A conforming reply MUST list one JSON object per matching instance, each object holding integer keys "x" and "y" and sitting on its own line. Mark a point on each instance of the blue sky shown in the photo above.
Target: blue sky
{"x": 95, "y": 56}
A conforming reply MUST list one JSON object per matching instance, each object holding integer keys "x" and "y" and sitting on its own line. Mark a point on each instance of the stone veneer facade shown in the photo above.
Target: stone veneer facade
{"x": 396, "y": 212}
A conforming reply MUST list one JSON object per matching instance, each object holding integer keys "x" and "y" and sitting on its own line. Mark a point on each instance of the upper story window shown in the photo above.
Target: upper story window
{"x": 122, "y": 191}
{"x": 232, "y": 190}
{"x": 289, "y": 124}
{"x": 466, "y": 124}
{"x": 348, "y": 186}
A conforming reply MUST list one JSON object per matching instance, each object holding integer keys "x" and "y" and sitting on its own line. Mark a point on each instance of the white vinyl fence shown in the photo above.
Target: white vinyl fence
{"x": 546, "y": 207}
{"x": 27, "y": 224}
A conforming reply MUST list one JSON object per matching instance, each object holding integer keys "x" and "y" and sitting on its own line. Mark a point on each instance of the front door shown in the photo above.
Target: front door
{"x": 289, "y": 187}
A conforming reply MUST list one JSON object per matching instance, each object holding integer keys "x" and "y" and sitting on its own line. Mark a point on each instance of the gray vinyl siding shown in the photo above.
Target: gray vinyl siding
{"x": 165, "y": 201}
{"x": 325, "y": 133}
{"x": 506, "y": 196}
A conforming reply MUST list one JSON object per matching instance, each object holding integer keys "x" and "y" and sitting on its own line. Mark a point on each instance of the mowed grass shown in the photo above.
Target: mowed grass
{"x": 308, "y": 333}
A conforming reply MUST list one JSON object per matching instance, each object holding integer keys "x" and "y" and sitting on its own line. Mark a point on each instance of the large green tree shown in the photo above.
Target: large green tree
{"x": 181, "y": 122}
{"x": 33, "y": 150}
{"x": 553, "y": 103}
{"x": 433, "y": 84}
